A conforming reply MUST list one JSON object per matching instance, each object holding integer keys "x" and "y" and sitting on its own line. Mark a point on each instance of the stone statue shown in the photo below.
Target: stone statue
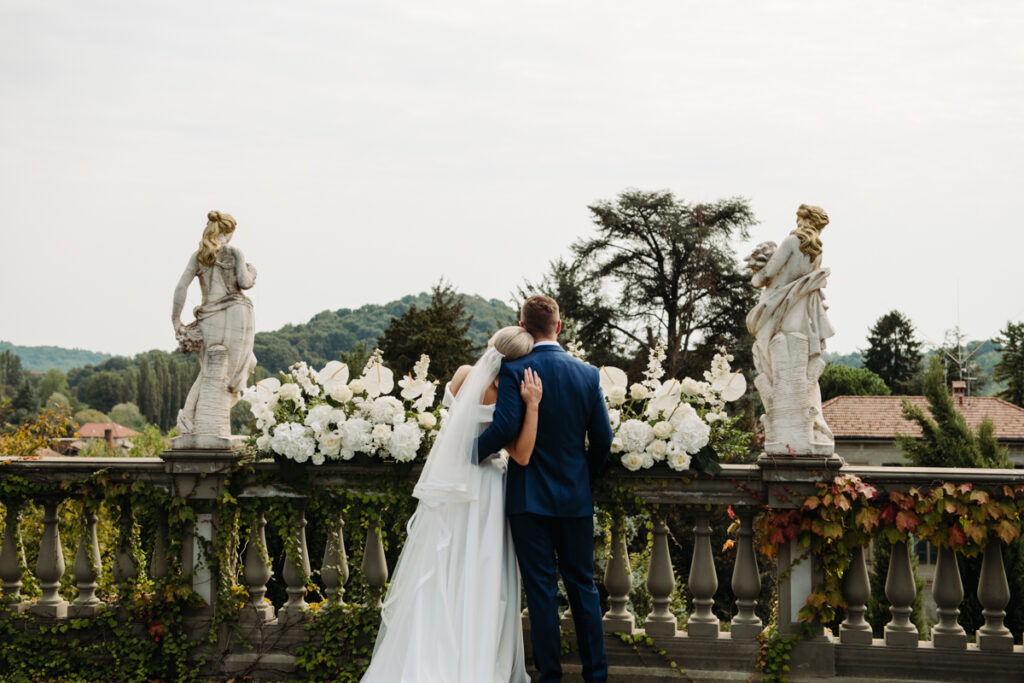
{"x": 790, "y": 326}
{"x": 222, "y": 334}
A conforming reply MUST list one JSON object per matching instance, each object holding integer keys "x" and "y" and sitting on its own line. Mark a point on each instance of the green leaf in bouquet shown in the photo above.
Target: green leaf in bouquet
{"x": 706, "y": 460}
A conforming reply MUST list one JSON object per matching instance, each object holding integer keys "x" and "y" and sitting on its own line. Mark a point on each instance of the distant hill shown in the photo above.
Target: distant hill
{"x": 42, "y": 358}
{"x": 329, "y": 333}
{"x": 852, "y": 360}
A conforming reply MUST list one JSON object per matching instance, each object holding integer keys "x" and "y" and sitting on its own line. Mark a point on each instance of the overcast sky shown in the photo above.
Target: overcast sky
{"x": 368, "y": 148}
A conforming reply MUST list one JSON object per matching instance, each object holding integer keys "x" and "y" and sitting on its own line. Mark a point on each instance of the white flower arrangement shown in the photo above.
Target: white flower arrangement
{"x": 315, "y": 417}
{"x": 670, "y": 421}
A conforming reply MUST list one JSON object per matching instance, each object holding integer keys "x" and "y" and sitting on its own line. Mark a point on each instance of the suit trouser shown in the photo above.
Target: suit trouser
{"x": 566, "y": 543}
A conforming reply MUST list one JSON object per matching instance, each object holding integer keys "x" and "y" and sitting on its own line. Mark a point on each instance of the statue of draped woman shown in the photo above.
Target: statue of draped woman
{"x": 222, "y": 333}
{"x": 790, "y": 326}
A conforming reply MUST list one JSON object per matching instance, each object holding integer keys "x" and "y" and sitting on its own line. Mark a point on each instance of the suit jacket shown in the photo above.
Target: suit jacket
{"x": 556, "y": 483}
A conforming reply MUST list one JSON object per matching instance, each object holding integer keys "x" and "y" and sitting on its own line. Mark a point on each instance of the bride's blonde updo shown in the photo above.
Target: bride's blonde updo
{"x": 512, "y": 342}
{"x": 217, "y": 224}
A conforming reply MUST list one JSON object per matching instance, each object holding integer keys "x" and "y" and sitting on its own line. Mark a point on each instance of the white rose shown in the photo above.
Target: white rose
{"x": 347, "y": 454}
{"x": 381, "y": 433}
{"x": 427, "y": 420}
{"x": 662, "y": 430}
{"x": 339, "y": 392}
{"x": 633, "y": 461}
{"x": 690, "y": 386}
{"x": 658, "y": 449}
{"x": 638, "y": 392}
{"x": 679, "y": 461}
{"x": 318, "y": 459}
{"x": 648, "y": 460}
{"x": 357, "y": 386}
{"x": 293, "y": 393}
{"x": 616, "y": 445}
{"x": 614, "y": 417}
{"x": 617, "y": 396}
{"x": 330, "y": 443}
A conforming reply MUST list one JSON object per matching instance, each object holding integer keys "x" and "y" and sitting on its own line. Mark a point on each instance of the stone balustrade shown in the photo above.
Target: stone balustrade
{"x": 265, "y": 637}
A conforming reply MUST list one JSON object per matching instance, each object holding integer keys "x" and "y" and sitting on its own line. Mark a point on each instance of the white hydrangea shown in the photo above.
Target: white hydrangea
{"x": 404, "y": 441}
{"x": 293, "y": 441}
{"x": 635, "y": 435}
{"x": 379, "y": 436}
{"x": 319, "y": 417}
{"x": 691, "y": 432}
{"x": 263, "y": 442}
{"x": 355, "y": 436}
{"x": 385, "y": 410}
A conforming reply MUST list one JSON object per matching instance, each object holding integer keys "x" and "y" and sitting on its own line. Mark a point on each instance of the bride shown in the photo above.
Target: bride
{"x": 451, "y": 614}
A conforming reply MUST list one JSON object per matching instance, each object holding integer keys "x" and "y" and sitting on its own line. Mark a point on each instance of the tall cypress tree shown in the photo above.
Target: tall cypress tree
{"x": 1010, "y": 368}
{"x": 893, "y": 353}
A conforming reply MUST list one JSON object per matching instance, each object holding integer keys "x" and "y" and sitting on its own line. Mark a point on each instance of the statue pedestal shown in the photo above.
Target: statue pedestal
{"x": 206, "y": 444}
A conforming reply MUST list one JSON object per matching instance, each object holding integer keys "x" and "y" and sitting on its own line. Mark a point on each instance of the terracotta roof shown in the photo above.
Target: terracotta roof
{"x": 95, "y": 430}
{"x": 881, "y": 417}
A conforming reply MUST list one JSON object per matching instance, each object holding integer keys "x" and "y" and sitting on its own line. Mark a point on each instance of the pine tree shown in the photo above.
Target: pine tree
{"x": 893, "y": 353}
{"x": 1010, "y": 368}
{"x": 439, "y": 330}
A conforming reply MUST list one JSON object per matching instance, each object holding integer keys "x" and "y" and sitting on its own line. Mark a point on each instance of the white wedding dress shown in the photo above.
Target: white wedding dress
{"x": 451, "y": 613}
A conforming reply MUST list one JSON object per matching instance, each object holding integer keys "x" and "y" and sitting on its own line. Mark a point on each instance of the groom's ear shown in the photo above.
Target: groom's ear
{"x": 558, "y": 328}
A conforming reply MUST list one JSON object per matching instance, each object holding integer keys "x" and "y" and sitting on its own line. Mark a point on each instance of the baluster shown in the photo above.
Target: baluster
{"x": 125, "y": 568}
{"x": 948, "y": 593}
{"x": 375, "y": 564}
{"x": 994, "y": 595}
{"x": 295, "y": 575}
{"x": 567, "y": 624}
{"x": 618, "y": 582}
{"x": 901, "y": 590}
{"x": 158, "y": 566}
{"x": 50, "y": 567}
{"x": 335, "y": 566}
{"x": 257, "y": 572}
{"x": 703, "y": 583}
{"x": 661, "y": 581}
{"x": 12, "y": 559}
{"x": 856, "y": 590}
{"x": 87, "y": 565}
{"x": 746, "y": 581}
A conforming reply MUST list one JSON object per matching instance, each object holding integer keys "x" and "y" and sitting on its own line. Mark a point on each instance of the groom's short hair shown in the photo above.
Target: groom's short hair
{"x": 539, "y": 316}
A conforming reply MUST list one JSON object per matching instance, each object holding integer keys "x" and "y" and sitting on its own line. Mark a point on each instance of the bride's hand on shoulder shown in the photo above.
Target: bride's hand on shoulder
{"x": 531, "y": 388}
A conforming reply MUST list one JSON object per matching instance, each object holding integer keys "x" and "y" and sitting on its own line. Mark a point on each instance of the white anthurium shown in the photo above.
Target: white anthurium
{"x": 413, "y": 388}
{"x": 612, "y": 377}
{"x": 732, "y": 386}
{"x": 263, "y": 392}
{"x": 666, "y": 398}
{"x": 333, "y": 374}
{"x": 378, "y": 380}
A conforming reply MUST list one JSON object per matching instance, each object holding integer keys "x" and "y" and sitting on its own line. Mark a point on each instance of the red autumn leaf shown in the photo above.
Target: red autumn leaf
{"x": 979, "y": 497}
{"x": 868, "y": 518}
{"x": 955, "y": 536}
{"x": 906, "y": 521}
{"x": 1007, "y": 531}
{"x": 728, "y": 545}
{"x": 966, "y": 487}
{"x": 842, "y": 502}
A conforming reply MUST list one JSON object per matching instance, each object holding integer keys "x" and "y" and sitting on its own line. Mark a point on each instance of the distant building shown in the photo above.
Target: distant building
{"x": 865, "y": 427}
{"x": 116, "y": 436}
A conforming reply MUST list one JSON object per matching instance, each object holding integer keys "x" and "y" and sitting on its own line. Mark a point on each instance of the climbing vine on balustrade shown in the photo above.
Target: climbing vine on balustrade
{"x": 845, "y": 514}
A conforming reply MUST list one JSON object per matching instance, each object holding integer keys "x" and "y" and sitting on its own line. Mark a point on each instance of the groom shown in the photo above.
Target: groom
{"x": 548, "y": 502}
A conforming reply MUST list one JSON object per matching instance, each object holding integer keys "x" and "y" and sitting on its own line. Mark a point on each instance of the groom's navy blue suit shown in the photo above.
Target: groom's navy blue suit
{"x": 549, "y": 503}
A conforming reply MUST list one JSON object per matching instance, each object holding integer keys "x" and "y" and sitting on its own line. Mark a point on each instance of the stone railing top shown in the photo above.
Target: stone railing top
{"x": 738, "y": 485}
